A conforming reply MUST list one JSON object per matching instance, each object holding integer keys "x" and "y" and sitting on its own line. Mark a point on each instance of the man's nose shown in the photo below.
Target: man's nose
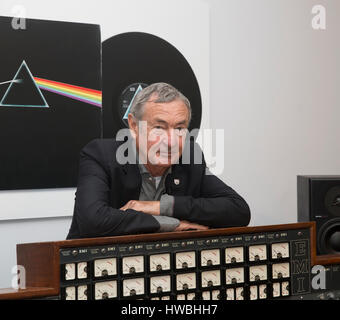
{"x": 171, "y": 138}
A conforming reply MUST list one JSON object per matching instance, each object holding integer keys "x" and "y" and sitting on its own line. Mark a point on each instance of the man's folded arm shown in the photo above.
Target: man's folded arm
{"x": 218, "y": 206}
{"x": 95, "y": 216}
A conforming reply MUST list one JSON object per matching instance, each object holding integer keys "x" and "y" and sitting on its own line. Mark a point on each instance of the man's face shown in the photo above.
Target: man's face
{"x": 160, "y": 134}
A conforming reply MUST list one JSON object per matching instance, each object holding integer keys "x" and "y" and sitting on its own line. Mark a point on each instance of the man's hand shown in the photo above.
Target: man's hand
{"x": 149, "y": 207}
{"x": 186, "y": 225}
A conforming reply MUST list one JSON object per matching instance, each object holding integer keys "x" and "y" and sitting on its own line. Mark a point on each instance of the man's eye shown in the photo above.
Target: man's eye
{"x": 158, "y": 130}
{"x": 180, "y": 131}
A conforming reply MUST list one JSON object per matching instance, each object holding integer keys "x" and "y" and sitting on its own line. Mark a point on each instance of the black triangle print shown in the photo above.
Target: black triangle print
{"x": 23, "y": 91}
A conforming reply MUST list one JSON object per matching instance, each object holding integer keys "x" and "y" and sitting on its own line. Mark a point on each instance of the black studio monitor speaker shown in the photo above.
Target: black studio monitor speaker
{"x": 319, "y": 201}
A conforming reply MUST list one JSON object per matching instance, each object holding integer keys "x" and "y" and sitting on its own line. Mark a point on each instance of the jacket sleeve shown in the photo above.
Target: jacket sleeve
{"x": 218, "y": 206}
{"x": 95, "y": 217}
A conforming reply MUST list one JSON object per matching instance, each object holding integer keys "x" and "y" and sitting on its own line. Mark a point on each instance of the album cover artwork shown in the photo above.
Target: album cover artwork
{"x": 50, "y": 101}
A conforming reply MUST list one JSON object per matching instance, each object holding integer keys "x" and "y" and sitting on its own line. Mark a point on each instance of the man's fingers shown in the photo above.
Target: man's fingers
{"x": 128, "y": 205}
{"x": 186, "y": 225}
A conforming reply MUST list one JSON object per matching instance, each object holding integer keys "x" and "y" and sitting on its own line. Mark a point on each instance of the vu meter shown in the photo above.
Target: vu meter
{"x": 276, "y": 289}
{"x": 133, "y": 287}
{"x": 253, "y": 293}
{"x": 234, "y": 275}
{"x": 133, "y": 264}
{"x": 258, "y": 273}
{"x": 105, "y": 267}
{"x": 211, "y": 278}
{"x": 280, "y": 270}
{"x": 210, "y": 257}
{"x": 280, "y": 250}
{"x": 160, "y": 284}
{"x": 70, "y": 271}
{"x": 234, "y": 255}
{"x": 239, "y": 294}
{"x": 186, "y": 281}
{"x": 82, "y": 270}
{"x": 258, "y": 253}
{"x": 105, "y": 290}
{"x": 185, "y": 260}
{"x": 160, "y": 262}
{"x": 82, "y": 292}
{"x": 70, "y": 293}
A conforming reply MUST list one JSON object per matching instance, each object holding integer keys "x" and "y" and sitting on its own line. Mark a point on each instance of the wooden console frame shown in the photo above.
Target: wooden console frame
{"x": 41, "y": 260}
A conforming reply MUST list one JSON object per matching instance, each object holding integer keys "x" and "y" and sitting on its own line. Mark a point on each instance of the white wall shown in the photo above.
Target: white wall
{"x": 273, "y": 88}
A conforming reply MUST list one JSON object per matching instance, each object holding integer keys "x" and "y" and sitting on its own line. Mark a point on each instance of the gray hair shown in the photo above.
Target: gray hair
{"x": 164, "y": 93}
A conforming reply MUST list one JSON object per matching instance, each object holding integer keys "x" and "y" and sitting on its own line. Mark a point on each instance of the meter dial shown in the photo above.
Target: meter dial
{"x": 165, "y": 298}
{"x": 234, "y": 275}
{"x": 280, "y": 270}
{"x": 257, "y": 253}
{"x": 285, "y": 288}
{"x": 215, "y": 295}
{"x": 105, "y": 290}
{"x": 211, "y": 278}
{"x": 230, "y": 294}
{"x": 160, "y": 262}
{"x": 258, "y": 273}
{"x": 70, "y": 293}
{"x": 82, "y": 270}
{"x": 263, "y": 291}
{"x": 239, "y": 294}
{"x": 82, "y": 293}
{"x": 189, "y": 296}
{"x": 134, "y": 264}
{"x": 276, "y": 289}
{"x": 185, "y": 260}
{"x": 253, "y": 293}
{"x": 186, "y": 281}
{"x": 160, "y": 284}
{"x": 211, "y": 295}
{"x": 105, "y": 267}
{"x": 234, "y": 255}
{"x": 210, "y": 257}
{"x": 133, "y": 287}
{"x": 70, "y": 271}
{"x": 280, "y": 250}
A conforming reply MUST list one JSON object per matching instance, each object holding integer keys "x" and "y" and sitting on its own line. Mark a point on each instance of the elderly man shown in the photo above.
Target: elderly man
{"x": 156, "y": 191}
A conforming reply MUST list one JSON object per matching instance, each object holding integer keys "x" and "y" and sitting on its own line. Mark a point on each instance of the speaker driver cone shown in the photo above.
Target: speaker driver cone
{"x": 329, "y": 237}
{"x": 332, "y": 201}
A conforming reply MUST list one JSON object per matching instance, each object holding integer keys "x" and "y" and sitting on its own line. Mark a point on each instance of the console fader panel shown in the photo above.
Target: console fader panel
{"x": 270, "y": 264}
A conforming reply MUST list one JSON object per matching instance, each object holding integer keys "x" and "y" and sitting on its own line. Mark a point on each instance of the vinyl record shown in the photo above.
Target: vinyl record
{"x": 133, "y": 60}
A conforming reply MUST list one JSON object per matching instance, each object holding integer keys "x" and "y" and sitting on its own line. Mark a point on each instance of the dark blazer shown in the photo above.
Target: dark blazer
{"x": 104, "y": 186}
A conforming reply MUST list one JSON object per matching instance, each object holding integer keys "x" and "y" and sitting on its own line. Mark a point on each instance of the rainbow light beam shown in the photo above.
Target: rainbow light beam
{"x": 86, "y": 95}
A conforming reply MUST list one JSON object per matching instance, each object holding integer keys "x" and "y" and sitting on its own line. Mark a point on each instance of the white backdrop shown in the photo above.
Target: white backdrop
{"x": 184, "y": 24}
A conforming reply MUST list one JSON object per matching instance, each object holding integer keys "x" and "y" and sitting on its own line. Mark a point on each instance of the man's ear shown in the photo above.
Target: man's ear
{"x": 133, "y": 125}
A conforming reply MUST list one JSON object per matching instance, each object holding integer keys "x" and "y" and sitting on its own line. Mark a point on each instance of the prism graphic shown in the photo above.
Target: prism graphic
{"x": 125, "y": 117}
{"x": 23, "y": 91}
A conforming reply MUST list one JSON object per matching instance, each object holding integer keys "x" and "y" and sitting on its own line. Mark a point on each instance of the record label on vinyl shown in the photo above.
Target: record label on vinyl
{"x": 126, "y": 99}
